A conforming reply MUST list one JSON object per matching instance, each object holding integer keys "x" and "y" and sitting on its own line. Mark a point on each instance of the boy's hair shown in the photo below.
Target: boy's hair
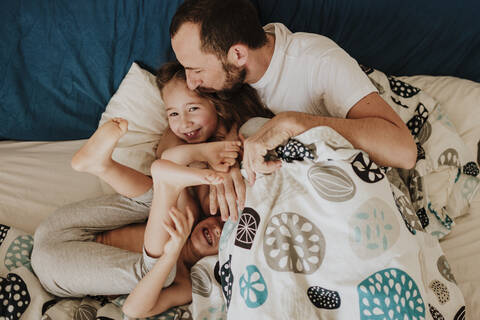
{"x": 235, "y": 108}
{"x": 223, "y": 23}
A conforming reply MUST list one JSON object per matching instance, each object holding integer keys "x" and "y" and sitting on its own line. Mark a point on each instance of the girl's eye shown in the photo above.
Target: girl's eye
{"x": 173, "y": 114}
{"x": 192, "y": 108}
{"x": 197, "y": 71}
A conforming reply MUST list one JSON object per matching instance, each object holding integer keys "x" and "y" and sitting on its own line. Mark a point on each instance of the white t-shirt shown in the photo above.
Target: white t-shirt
{"x": 312, "y": 74}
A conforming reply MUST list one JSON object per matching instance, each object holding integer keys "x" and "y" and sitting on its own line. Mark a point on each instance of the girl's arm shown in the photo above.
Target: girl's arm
{"x": 148, "y": 297}
{"x": 220, "y": 155}
{"x": 167, "y": 141}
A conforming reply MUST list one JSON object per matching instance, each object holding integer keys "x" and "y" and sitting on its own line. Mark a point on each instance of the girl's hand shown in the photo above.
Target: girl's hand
{"x": 221, "y": 155}
{"x": 179, "y": 230}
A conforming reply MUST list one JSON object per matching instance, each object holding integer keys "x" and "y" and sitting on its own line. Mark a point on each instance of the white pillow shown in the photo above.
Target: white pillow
{"x": 460, "y": 98}
{"x": 137, "y": 100}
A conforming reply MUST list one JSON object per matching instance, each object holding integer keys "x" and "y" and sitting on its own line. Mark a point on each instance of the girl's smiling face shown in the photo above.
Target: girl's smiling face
{"x": 191, "y": 118}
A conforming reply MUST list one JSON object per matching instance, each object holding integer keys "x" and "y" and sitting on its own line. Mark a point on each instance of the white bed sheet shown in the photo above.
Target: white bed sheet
{"x": 36, "y": 178}
{"x": 462, "y": 249}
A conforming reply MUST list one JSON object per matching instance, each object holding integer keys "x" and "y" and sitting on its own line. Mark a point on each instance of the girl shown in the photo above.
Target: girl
{"x": 198, "y": 124}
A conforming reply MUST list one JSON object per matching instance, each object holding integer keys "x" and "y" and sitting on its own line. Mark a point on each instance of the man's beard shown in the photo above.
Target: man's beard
{"x": 234, "y": 79}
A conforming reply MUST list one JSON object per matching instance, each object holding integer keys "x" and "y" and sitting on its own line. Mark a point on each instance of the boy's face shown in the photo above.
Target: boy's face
{"x": 191, "y": 118}
{"x": 206, "y": 236}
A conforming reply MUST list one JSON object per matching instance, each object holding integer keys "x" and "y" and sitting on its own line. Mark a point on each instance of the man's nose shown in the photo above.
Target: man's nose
{"x": 192, "y": 81}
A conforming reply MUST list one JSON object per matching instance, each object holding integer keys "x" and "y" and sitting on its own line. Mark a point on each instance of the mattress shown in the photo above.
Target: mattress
{"x": 36, "y": 178}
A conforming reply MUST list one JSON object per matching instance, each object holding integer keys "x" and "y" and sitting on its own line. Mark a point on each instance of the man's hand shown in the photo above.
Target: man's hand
{"x": 272, "y": 134}
{"x": 228, "y": 196}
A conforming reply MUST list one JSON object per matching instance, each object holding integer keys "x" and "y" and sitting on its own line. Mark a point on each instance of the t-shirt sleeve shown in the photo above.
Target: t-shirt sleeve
{"x": 148, "y": 263}
{"x": 342, "y": 82}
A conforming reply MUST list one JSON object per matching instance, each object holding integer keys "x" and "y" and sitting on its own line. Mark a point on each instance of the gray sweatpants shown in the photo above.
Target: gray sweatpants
{"x": 68, "y": 261}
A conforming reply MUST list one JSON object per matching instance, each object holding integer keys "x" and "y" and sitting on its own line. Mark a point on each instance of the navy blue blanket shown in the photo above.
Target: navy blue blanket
{"x": 62, "y": 60}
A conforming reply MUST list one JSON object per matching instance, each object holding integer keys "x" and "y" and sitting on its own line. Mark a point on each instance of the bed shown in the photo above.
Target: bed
{"x": 57, "y": 90}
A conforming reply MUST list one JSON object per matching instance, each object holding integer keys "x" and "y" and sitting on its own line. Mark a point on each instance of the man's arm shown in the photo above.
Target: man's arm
{"x": 371, "y": 125}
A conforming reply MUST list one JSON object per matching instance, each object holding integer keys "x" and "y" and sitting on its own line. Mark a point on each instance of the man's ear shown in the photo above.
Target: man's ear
{"x": 238, "y": 54}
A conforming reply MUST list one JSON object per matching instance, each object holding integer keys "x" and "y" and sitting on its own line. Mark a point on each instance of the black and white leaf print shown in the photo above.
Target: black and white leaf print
{"x": 3, "y": 232}
{"x": 398, "y": 102}
{"x": 324, "y": 298}
{"x": 366, "y": 69}
{"x": 471, "y": 169}
{"x": 436, "y": 315}
{"x": 401, "y": 88}
{"x": 366, "y": 169}
{"x": 15, "y": 298}
{"x": 226, "y": 277}
{"x": 420, "y": 152}
{"x": 460, "y": 315}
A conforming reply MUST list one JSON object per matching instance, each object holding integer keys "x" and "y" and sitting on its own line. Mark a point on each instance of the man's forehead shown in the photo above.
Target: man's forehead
{"x": 186, "y": 44}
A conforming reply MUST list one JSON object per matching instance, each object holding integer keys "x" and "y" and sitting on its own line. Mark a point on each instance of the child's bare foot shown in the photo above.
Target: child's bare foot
{"x": 178, "y": 176}
{"x": 96, "y": 154}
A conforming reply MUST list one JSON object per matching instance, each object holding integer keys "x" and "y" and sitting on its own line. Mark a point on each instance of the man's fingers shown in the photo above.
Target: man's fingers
{"x": 240, "y": 188}
{"x": 267, "y": 167}
{"x": 222, "y": 202}
{"x": 250, "y": 173}
{"x": 231, "y": 198}
{"x": 213, "y": 200}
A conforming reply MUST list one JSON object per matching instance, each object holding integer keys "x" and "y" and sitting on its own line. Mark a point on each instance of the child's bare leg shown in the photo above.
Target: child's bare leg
{"x": 95, "y": 157}
{"x": 129, "y": 237}
{"x": 169, "y": 181}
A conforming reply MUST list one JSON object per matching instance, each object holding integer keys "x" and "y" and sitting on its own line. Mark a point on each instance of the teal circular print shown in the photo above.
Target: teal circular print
{"x": 373, "y": 229}
{"x": 253, "y": 288}
{"x": 390, "y": 294}
{"x": 18, "y": 253}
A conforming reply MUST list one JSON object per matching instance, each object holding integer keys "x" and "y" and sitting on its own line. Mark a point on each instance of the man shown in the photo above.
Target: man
{"x": 305, "y": 79}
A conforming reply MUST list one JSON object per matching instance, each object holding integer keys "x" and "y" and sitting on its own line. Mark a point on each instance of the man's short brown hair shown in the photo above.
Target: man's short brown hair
{"x": 223, "y": 23}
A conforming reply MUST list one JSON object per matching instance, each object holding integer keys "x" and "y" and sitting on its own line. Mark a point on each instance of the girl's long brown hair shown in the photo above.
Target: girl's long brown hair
{"x": 235, "y": 108}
